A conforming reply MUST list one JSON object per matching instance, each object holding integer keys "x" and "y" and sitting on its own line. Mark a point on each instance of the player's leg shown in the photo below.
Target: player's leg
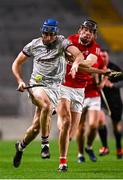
{"x": 41, "y": 98}
{"x": 45, "y": 151}
{"x": 34, "y": 129}
{"x": 30, "y": 134}
{"x": 103, "y": 134}
{"x": 45, "y": 124}
{"x": 117, "y": 128}
{"x": 64, "y": 116}
{"x": 75, "y": 120}
{"x": 69, "y": 111}
{"x": 92, "y": 130}
{"x": 80, "y": 137}
{"x": 94, "y": 107}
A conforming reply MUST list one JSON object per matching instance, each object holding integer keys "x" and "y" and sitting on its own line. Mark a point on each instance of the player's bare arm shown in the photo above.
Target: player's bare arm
{"x": 95, "y": 70}
{"x": 75, "y": 55}
{"x": 16, "y": 69}
{"x": 78, "y": 58}
{"x": 85, "y": 65}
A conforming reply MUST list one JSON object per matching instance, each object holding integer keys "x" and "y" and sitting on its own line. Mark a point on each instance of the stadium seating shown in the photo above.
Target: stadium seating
{"x": 113, "y": 35}
{"x": 103, "y": 12}
{"x": 20, "y": 21}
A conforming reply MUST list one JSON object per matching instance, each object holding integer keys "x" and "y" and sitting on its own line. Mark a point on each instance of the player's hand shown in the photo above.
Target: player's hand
{"x": 73, "y": 70}
{"x": 107, "y": 72}
{"x": 109, "y": 84}
{"x": 21, "y": 86}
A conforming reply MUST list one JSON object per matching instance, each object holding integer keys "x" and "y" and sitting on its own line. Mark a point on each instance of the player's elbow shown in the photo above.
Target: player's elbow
{"x": 14, "y": 67}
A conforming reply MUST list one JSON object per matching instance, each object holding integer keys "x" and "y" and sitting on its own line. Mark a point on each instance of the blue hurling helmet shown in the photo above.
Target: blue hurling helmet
{"x": 50, "y": 26}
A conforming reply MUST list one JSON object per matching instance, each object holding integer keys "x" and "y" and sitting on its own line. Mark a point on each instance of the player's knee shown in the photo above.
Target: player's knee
{"x": 66, "y": 123}
{"x": 46, "y": 107}
{"x": 64, "y": 119}
{"x": 36, "y": 128}
{"x": 65, "y": 114}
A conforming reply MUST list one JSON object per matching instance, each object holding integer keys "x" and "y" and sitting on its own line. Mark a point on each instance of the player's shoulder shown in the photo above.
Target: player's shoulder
{"x": 63, "y": 41}
{"x": 73, "y": 36}
{"x": 60, "y": 37}
{"x": 36, "y": 40}
{"x": 96, "y": 45}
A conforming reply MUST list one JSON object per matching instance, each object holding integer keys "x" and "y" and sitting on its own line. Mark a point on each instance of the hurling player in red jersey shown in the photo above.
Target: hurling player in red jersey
{"x": 92, "y": 104}
{"x": 91, "y": 110}
{"x": 72, "y": 91}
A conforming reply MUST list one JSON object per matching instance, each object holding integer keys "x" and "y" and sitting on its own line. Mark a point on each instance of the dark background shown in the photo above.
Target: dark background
{"x": 20, "y": 21}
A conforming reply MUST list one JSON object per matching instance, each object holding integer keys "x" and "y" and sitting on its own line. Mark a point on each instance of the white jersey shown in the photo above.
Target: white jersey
{"x": 48, "y": 61}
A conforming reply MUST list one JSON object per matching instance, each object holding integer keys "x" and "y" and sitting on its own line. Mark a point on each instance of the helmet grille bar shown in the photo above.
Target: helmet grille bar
{"x": 50, "y": 25}
{"x": 90, "y": 24}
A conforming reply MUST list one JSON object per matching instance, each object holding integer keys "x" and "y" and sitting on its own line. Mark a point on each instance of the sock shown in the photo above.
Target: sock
{"x": 45, "y": 141}
{"x": 22, "y": 145}
{"x": 118, "y": 137}
{"x": 63, "y": 161}
{"x": 89, "y": 147}
{"x": 80, "y": 155}
{"x": 103, "y": 135}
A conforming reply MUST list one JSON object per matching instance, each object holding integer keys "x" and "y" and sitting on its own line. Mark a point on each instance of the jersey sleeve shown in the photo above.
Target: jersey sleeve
{"x": 27, "y": 50}
{"x": 73, "y": 39}
{"x": 66, "y": 43}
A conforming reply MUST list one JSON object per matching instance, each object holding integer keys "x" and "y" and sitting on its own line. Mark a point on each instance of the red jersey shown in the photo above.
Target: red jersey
{"x": 82, "y": 78}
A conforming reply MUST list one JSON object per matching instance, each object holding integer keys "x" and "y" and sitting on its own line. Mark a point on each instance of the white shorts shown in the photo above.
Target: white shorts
{"x": 75, "y": 95}
{"x": 93, "y": 103}
{"x": 52, "y": 93}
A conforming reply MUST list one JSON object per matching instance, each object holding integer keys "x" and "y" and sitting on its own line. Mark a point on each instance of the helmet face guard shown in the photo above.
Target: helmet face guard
{"x": 90, "y": 24}
{"x": 49, "y": 29}
{"x": 50, "y": 26}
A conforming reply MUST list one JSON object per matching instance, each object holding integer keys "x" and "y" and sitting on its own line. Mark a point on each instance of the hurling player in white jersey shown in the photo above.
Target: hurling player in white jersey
{"x": 48, "y": 72}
